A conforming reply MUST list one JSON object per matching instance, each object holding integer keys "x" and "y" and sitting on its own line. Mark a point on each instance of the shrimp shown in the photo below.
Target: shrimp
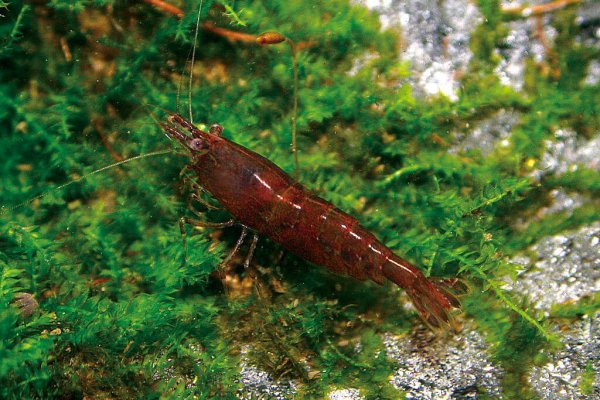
{"x": 262, "y": 197}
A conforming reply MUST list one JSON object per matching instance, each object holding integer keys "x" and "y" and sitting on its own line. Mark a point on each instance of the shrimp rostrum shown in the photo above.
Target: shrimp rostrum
{"x": 261, "y": 196}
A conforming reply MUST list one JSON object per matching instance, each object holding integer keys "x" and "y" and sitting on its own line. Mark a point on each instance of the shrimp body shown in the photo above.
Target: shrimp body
{"x": 264, "y": 198}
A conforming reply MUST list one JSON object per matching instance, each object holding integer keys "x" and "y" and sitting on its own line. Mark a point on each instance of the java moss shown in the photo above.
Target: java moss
{"x": 121, "y": 316}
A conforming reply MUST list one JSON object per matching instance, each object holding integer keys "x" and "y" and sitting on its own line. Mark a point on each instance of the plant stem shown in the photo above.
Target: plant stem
{"x": 295, "y": 110}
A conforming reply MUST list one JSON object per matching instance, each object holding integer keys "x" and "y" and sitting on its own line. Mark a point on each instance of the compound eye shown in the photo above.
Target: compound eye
{"x": 198, "y": 144}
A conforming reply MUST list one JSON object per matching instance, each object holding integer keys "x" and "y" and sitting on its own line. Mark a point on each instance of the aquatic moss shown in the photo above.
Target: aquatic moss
{"x": 120, "y": 316}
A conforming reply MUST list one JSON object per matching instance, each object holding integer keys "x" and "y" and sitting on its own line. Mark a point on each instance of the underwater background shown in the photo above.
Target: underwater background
{"x": 464, "y": 134}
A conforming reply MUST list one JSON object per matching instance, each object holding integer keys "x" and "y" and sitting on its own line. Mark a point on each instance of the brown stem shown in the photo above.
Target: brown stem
{"x": 226, "y": 33}
{"x": 539, "y": 9}
{"x": 166, "y": 7}
{"x": 229, "y": 34}
{"x": 100, "y": 130}
{"x": 249, "y": 38}
{"x": 550, "y": 53}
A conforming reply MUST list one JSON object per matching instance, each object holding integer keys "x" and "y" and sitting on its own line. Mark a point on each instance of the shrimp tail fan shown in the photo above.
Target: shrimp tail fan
{"x": 434, "y": 299}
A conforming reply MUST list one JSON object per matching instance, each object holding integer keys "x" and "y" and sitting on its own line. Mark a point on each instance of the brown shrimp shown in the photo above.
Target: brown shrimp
{"x": 262, "y": 197}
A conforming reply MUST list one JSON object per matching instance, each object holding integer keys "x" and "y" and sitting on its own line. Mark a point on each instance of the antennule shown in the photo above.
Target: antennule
{"x": 192, "y": 63}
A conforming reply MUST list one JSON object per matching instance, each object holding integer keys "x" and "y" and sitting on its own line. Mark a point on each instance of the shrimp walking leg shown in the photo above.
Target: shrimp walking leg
{"x": 196, "y": 188}
{"x": 206, "y": 224}
{"x": 184, "y": 171}
{"x": 196, "y": 222}
{"x": 236, "y": 247}
{"x": 251, "y": 251}
{"x": 198, "y": 199}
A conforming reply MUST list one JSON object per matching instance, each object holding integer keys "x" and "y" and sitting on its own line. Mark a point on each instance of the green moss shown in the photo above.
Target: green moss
{"x": 587, "y": 380}
{"x": 587, "y": 306}
{"x": 119, "y": 314}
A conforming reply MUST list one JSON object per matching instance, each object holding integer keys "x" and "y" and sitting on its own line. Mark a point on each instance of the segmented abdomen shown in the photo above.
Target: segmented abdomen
{"x": 321, "y": 233}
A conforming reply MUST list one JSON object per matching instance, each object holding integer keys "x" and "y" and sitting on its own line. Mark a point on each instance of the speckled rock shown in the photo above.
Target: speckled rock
{"x": 564, "y": 268}
{"x": 529, "y": 38}
{"x": 588, "y": 19}
{"x": 519, "y": 45}
{"x": 260, "y": 385}
{"x": 435, "y": 37}
{"x": 345, "y": 394}
{"x": 561, "y": 378}
{"x": 567, "y": 152}
{"x": 487, "y": 134}
{"x": 433, "y": 367}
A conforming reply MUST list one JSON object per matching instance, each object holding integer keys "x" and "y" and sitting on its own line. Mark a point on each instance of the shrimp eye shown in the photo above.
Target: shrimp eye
{"x": 198, "y": 145}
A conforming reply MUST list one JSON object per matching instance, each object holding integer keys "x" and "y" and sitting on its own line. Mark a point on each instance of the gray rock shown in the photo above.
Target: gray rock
{"x": 520, "y": 44}
{"x": 345, "y": 394}
{"x": 436, "y": 39}
{"x": 561, "y": 377}
{"x": 563, "y": 201}
{"x": 431, "y": 367}
{"x": 588, "y": 20}
{"x": 567, "y": 152}
{"x": 593, "y": 73}
{"x": 488, "y": 134}
{"x": 564, "y": 267}
{"x": 260, "y": 385}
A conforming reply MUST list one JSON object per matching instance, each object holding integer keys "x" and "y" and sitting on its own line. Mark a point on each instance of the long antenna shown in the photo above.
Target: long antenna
{"x": 193, "y": 58}
{"x": 295, "y": 111}
{"x": 269, "y": 38}
{"x": 4, "y": 210}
